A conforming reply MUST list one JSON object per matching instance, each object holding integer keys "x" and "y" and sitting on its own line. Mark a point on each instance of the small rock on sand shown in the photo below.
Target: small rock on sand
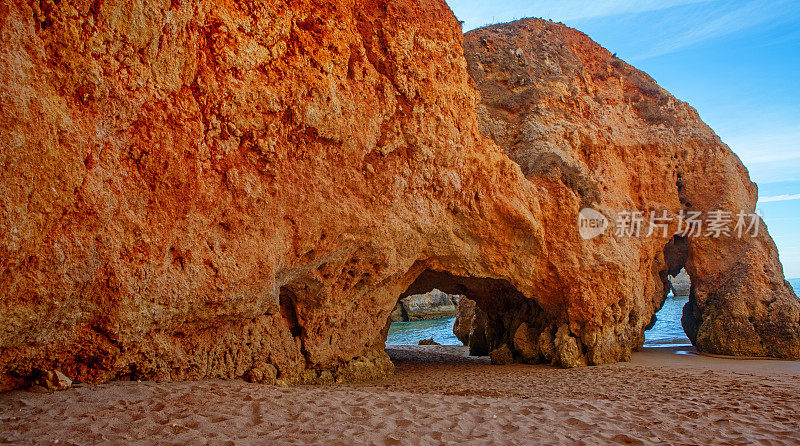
{"x": 54, "y": 380}
{"x": 501, "y": 355}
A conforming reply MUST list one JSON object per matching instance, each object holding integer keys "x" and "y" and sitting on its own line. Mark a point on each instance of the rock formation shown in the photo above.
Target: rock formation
{"x": 462, "y": 327}
{"x": 201, "y": 189}
{"x": 680, "y": 284}
{"x": 590, "y": 131}
{"x": 471, "y": 327}
{"x": 420, "y": 307}
{"x": 53, "y": 380}
{"x": 397, "y": 314}
{"x": 501, "y": 355}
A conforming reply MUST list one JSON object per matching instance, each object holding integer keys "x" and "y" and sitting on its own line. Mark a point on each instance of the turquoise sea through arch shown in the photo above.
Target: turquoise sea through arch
{"x": 666, "y": 333}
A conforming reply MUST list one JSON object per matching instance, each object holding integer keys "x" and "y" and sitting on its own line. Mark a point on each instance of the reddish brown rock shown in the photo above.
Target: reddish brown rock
{"x": 462, "y": 327}
{"x": 501, "y": 355}
{"x": 589, "y": 130}
{"x": 220, "y": 190}
{"x": 53, "y": 380}
{"x": 204, "y": 189}
{"x": 432, "y": 305}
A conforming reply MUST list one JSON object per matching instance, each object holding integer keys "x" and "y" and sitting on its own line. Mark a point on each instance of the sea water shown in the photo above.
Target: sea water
{"x": 410, "y": 333}
{"x": 667, "y": 332}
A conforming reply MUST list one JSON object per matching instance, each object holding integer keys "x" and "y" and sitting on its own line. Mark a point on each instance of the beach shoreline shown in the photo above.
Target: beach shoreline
{"x": 438, "y": 395}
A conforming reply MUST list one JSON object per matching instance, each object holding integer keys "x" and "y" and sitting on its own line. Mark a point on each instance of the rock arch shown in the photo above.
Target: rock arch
{"x": 592, "y": 131}
{"x": 248, "y": 194}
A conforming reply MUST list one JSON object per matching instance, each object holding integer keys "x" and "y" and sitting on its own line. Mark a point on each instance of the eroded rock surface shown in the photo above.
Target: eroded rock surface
{"x": 220, "y": 190}
{"x": 397, "y": 314}
{"x": 54, "y": 380}
{"x": 203, "y": 189}
{"x": 680, "y": 284}
{"x": 433, "y": 305}
{"x": 589, "y": 130}
{"x": 462, "y": 327}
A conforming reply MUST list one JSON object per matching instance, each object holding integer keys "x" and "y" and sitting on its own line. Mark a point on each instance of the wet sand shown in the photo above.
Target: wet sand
{"x": 438, "y": 395}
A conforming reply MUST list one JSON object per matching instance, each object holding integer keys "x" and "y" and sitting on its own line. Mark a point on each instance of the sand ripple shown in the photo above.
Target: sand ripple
{"x": 438, "y": 396}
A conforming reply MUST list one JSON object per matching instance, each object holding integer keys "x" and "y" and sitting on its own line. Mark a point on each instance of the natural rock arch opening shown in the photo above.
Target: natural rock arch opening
{"x": 424, "y": 319}
{"x": 665, "y": 328}
{"x": 677, "y": 280}
{"x": 516, "y": 328}
{"x": 739, "y": 303}
{"x": 507, "y": 325}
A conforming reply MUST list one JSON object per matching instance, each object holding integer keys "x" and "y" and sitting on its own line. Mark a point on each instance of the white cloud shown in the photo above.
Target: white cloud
{"x": 770, "y": 158}
{"x": 480, "y": 13}
{"x": 784, "y": 197}
{"x": 771, "y": 151}
{"x": 708, "y": 24}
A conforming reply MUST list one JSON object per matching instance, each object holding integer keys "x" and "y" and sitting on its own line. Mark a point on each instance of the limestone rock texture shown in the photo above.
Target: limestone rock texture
{"x": 196, "y": 189}
{"x": 53, "y": 380}
{"x": 432, "y": 305}
{"x": 462, "y": 326}
{"x": 397, "y": 314}
{"x": 681, "y": 284}
{"x": 591, "y": 131}
{"x": 203, "y": 189}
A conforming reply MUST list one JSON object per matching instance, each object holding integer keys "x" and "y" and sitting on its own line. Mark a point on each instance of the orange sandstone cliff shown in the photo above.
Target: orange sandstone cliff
{"x": 238, "y": 189}
{"x": 195, "y": 189}
{"x": 590, "y": 131}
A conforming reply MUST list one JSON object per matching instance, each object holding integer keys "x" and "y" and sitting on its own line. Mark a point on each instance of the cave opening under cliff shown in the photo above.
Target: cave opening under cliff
{"x": 489, "y": 312}
{"x": 665, "y": 328}
{"x": 668, "y": 326}
{"x": 426, "y": 313}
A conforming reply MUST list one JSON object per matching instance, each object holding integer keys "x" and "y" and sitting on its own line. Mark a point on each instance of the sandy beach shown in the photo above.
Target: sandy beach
{"x": 438, "y": 395}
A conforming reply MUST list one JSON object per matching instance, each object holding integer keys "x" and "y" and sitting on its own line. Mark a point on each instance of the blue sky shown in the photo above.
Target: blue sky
{"x": 737, "y": 62}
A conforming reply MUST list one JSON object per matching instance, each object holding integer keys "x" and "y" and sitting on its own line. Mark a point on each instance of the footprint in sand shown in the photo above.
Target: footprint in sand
{"x": 577, "y": 424}
{"x": 391, "y": 440}
{"x": 626, "y": 439}
{"x": 255, "y": 411}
